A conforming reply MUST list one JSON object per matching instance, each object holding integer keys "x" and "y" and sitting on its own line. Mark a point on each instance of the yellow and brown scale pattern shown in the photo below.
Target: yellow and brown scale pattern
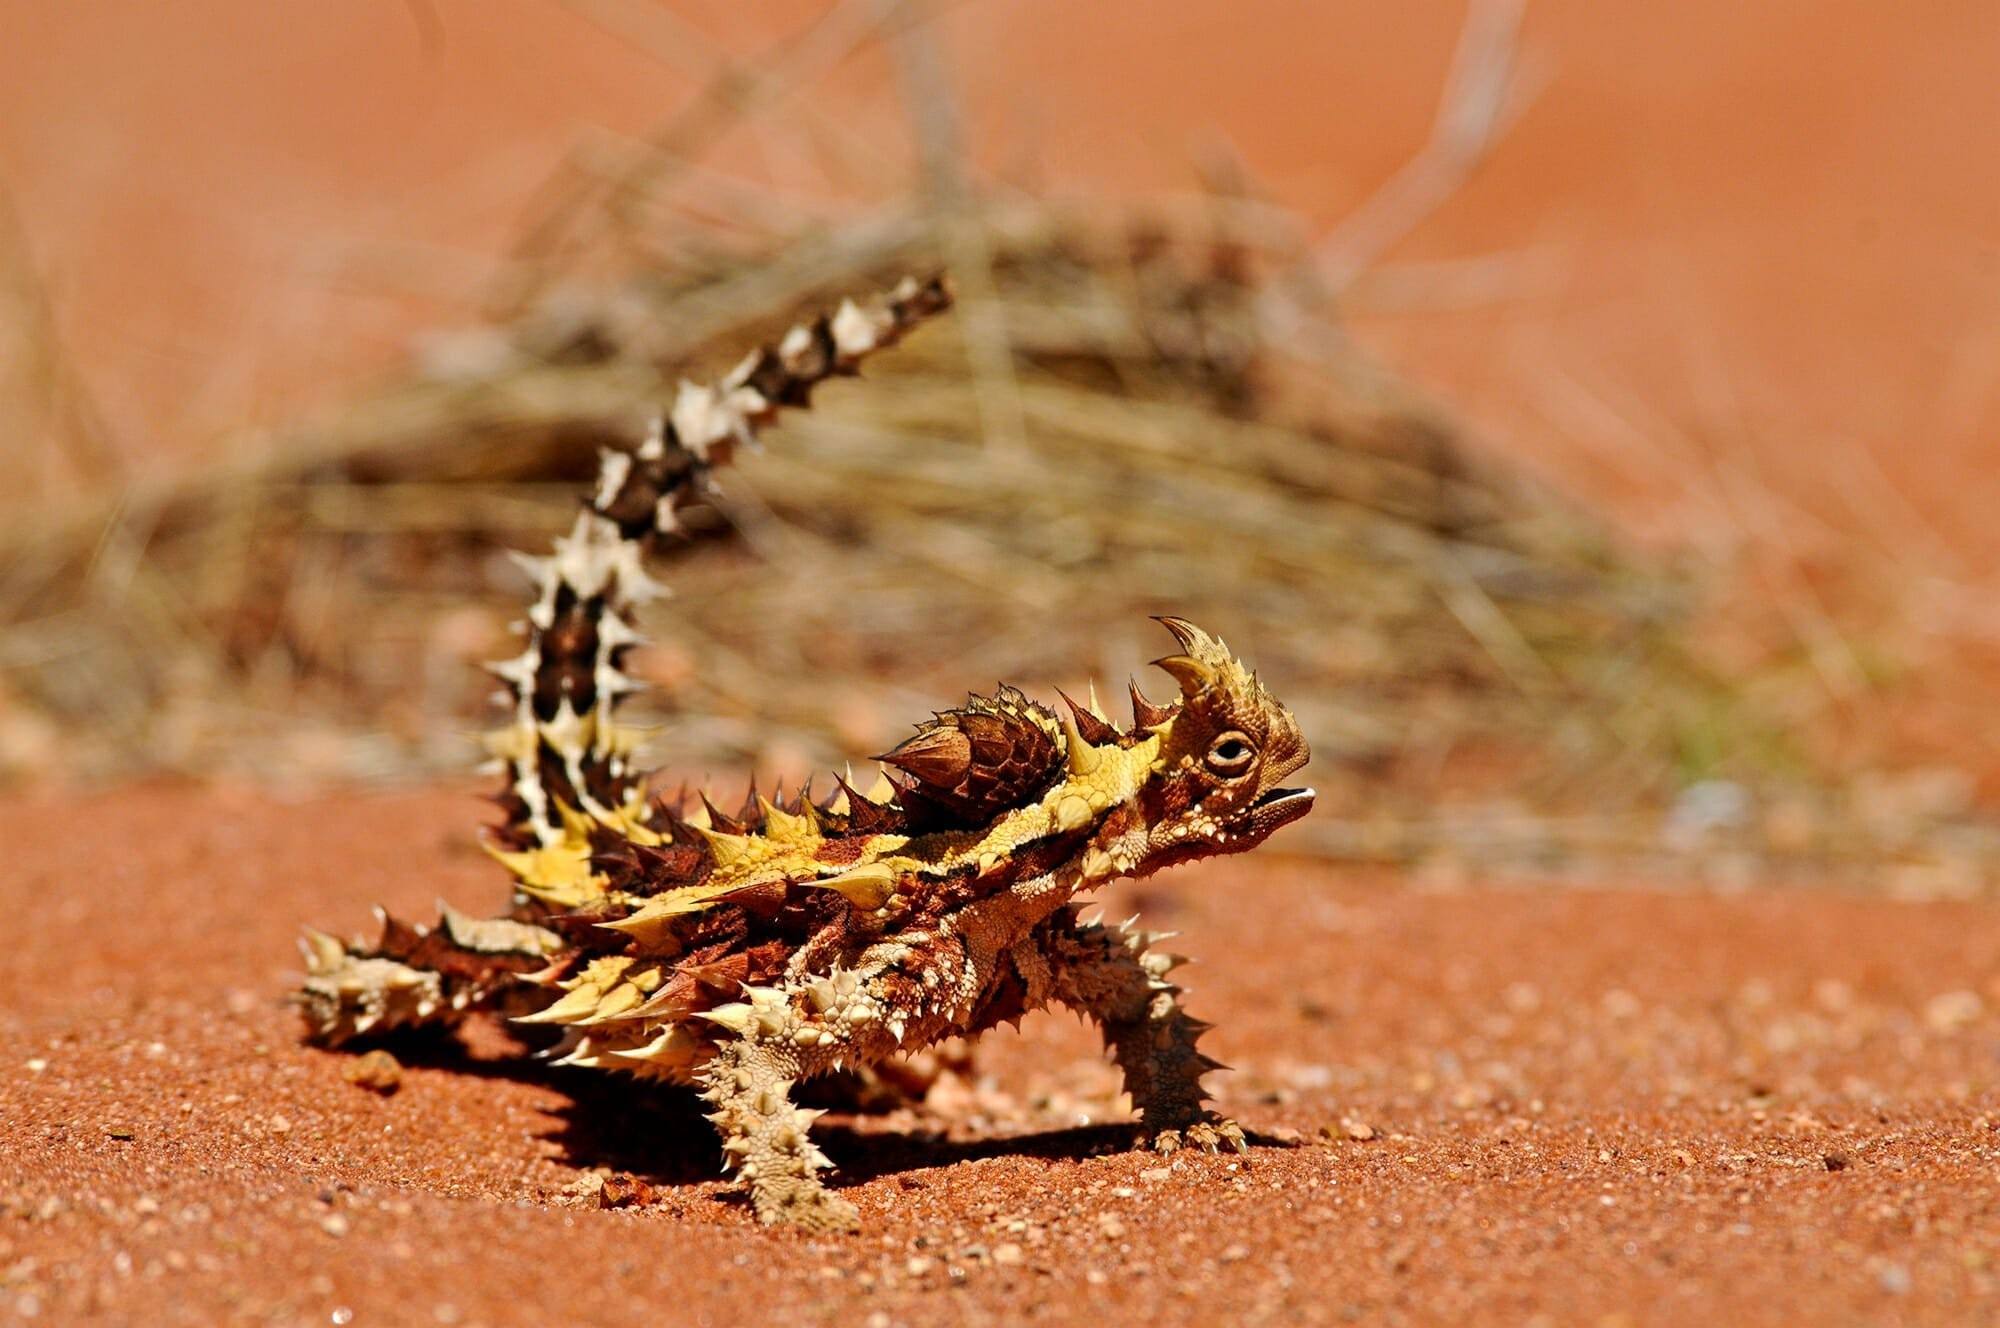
{"x": 673, "y": 914}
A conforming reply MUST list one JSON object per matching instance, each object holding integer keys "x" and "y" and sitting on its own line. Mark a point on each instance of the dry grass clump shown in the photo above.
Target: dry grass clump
{"x": 1147, "y": 445}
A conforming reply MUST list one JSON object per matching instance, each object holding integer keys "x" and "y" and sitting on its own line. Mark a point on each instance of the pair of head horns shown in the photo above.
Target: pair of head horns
{"x": 1203, "y": 663}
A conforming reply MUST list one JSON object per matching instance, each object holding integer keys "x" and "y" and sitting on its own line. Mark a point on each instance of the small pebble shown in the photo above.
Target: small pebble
{"x": 1349, "y": 1128}
{"x": 624, "y": 1190}
{"x": 377, "y": 1071}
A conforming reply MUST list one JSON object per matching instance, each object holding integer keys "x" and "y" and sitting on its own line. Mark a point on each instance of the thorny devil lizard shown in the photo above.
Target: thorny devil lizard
{"x": 742, "y": 954}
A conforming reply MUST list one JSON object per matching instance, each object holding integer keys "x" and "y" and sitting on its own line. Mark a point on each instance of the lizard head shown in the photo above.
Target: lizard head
{"x": 1195, "y": 779}
{"x": 1217, "y": 783}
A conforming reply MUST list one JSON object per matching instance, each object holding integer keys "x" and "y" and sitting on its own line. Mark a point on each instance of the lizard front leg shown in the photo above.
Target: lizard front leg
{"x": 765, "y": 1136}
{"x": 1106, "y": 974}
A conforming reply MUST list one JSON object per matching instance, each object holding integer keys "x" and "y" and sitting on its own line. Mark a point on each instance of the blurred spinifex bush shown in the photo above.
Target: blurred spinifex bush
{"x": 1115, "y": 423}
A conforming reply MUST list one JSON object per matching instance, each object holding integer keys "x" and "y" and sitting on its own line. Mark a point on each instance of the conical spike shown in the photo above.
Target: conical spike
{"x": 586, "y": 1055}
{"x": 781, "y": 826}
{"x": 1095, "y": 729}
{"x": 667, "y": 1005}
{"x": 574, "y": 1006}
{"x": 809, "y": 812}
{"x": 737, "y": 1018}
{"x": 717, "y": 819}
{"x": 323, "y": 953}
{"x": 1194, "y": 676}
{"x": 865, "y": 816}
{"x": 867, "y": 887}
{"x": 938, "y": 755}
{"x": 1145, "y": 714}
{"x": 1082, "y": 757}
{"x": 518, "y": 671}
{"x": 724, "y": 846}
{"x": 672, "y": 1048}
{"x": 1194, "y": 640}
{"x": 617, "y": 1003}
{"x": 799, "y": 801}
{"x": 842, "y": 801}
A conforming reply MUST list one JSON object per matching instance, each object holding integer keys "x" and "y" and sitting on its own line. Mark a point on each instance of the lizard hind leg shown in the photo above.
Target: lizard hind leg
{"x": 766, "y": 1137}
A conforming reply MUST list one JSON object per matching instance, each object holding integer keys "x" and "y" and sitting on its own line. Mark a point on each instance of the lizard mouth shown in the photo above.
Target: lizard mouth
{"x": 1288, "y": 804}
{"x": 1250, "y": 827}
{"x": 1269, "y": 813}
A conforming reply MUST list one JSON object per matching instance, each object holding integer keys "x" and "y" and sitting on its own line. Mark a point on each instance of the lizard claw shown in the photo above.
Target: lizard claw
{"x": 1214, "y": 1135}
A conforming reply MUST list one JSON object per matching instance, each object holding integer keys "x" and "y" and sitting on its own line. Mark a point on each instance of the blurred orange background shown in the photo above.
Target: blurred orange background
{"x": 1734, "y": 275}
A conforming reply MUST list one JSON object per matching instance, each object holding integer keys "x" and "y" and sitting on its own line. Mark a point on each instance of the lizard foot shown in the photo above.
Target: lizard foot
{"x": 812, "y": 1209}
{"x": 1213, "y": 1135}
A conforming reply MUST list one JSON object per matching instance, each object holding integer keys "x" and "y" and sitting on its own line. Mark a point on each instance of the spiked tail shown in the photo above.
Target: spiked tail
{"x": 415, "y": 975}
{"x": 561, "y": 746}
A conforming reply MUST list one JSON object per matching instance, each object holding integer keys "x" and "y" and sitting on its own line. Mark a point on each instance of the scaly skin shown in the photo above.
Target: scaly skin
{"x": 742, "y": 955}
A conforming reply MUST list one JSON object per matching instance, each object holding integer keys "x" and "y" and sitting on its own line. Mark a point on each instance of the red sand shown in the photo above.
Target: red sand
{"x": 1594, "y": 1107}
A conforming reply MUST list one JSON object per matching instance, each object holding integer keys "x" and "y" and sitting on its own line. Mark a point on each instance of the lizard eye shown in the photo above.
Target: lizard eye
{"x": 1230, "y": 754}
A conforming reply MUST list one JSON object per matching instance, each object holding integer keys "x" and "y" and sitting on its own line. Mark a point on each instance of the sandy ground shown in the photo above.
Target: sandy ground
{"x": 1609, "y": 1106}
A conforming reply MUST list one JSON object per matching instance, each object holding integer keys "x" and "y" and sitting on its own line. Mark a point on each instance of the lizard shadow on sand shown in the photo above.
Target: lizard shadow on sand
{"x": 659, "y": 1133}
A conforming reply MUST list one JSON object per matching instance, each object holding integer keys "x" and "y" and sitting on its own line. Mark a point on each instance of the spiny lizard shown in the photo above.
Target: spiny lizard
{"x": 739, "y": 955}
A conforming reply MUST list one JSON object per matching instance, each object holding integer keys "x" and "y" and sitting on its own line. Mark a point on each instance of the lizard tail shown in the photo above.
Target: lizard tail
{"x": 562, "y": 747}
